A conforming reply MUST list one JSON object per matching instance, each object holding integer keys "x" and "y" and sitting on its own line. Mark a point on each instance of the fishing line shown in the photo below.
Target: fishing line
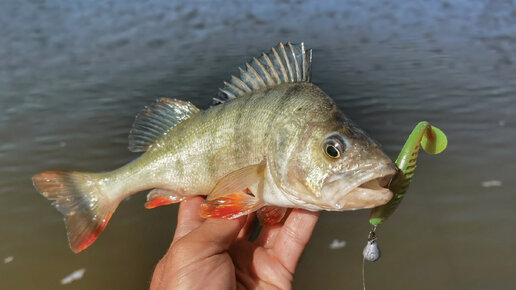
{"x": 363, "y": 273}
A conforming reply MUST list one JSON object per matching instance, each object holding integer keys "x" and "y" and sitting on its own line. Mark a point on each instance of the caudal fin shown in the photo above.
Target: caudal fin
{"x": 77, "y": 196}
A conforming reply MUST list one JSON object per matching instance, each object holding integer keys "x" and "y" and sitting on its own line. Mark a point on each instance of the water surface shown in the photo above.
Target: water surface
{"x": 73, "y": 75}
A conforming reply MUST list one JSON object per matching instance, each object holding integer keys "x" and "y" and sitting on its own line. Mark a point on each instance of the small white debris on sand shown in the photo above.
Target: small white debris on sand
{"x": 8, "y": 260}
{"x": 492, "y": 183}
{"x": 76, "y": 275}
{"x": 501, "y": 123}
{"x": 336, "y": 244}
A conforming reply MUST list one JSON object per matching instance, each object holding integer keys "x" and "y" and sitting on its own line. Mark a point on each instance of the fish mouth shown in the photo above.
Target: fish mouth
{"x": 365, "y": 188}
{"x": 379, "y": 183}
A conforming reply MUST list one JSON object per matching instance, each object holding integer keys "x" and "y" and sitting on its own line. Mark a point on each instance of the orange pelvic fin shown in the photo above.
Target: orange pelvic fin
{"x": 158, "y": 197}
{"x": 230, "y": 206}
{"x": 270, "y": 215}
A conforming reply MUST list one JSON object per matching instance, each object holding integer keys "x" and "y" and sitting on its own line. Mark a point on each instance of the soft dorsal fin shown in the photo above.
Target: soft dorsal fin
{"x": 283, "y": 64}
{"x": 156, "y": 120}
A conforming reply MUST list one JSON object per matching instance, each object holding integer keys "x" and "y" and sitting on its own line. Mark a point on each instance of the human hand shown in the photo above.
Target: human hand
{"x": 217, "y": 253}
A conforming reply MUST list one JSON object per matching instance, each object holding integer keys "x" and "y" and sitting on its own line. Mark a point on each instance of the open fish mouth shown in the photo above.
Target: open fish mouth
{"x": 379, "y": 183}
{"x": 363, "y": 189}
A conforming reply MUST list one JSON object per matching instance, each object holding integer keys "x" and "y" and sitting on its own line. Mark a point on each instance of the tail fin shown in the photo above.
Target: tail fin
{"x": 78, "y": 197}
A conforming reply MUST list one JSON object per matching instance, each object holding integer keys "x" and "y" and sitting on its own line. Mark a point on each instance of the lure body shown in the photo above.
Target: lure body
{"x": 433, "y": 141}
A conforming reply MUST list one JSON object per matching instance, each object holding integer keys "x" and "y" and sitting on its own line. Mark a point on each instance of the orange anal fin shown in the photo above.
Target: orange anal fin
{"x": 270, "y": 215}
{"x": 158, "y": 197}
{"x": 230, "y": 206}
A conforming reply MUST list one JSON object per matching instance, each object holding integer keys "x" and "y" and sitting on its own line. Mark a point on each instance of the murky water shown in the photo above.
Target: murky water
{"x": 73, "y": 75}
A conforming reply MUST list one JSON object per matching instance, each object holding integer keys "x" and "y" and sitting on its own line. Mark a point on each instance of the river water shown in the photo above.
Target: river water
{"x": 74, "y": 74}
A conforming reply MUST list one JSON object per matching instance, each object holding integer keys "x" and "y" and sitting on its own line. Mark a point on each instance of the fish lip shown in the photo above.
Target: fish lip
{"x": 383, "y": 173}
{"x": 367, "y": 173}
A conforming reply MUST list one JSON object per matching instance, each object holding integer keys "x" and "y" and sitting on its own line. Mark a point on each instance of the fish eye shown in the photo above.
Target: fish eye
{"x": 332, "y": 151}
{"x": 334, "y": 146}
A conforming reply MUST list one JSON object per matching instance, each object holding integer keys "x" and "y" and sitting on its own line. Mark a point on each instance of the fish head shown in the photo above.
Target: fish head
{"x": 359, "y": 177}
{"x": 331, "y": 164}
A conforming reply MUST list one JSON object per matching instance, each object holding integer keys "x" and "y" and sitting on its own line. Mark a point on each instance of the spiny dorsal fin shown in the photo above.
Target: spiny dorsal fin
{"x": 283, "y": 64}
{"x": 156, "y": 120}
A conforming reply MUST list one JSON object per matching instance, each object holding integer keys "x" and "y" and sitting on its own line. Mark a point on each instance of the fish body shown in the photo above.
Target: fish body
{"x": 275, "y": 141}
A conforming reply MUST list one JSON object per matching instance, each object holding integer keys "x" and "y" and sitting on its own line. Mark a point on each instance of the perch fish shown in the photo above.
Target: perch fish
{"x": 272, "y": 141}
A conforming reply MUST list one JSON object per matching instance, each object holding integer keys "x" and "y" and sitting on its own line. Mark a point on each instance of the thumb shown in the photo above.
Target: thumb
{"x": 212, "y": 237}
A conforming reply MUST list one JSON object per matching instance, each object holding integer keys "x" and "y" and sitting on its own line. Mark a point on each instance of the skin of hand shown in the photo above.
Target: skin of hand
{"x": 217, "y": 253}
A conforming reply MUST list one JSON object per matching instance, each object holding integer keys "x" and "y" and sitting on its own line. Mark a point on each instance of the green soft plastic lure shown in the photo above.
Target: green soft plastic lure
{"x": 433, "y": 141}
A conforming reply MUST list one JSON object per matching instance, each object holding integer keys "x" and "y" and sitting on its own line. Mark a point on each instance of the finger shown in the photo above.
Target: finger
{"x": 291, "y": 240}
{"x": 214, "y": 235}
{"x": 249, "y": 227}
{"x": 268, "y": 233}
{"x": 188, "y": 217}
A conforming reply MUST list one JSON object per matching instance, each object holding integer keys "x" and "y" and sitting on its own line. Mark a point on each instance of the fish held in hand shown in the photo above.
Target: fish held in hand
{"x": 273, "y": 141}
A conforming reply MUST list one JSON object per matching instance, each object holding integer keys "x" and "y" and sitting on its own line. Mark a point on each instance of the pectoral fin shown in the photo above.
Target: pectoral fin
{"x": 238, "y": 181}
{"x": 270, "y": 215}
{"x": 231, "y": 198}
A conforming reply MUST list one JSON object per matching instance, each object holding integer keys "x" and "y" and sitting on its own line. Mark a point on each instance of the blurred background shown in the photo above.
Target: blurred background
{"x": 73, "y": 74}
